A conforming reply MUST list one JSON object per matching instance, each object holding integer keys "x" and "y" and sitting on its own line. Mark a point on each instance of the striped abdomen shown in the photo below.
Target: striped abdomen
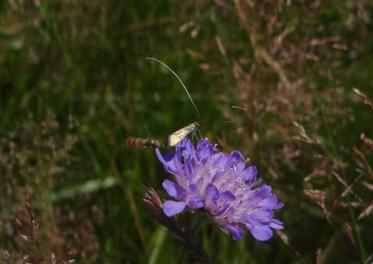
{"x": 137, "y": 142}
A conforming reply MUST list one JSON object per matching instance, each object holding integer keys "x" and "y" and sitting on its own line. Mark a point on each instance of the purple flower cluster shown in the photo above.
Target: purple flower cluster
{"x": 221, "y": 185}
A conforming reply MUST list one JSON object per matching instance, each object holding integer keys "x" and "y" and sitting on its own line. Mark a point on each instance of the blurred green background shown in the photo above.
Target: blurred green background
{"x": 74, "y": 83}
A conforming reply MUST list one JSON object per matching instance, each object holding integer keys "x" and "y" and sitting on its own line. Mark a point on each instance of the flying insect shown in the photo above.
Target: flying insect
{"x": 137, "y": 142}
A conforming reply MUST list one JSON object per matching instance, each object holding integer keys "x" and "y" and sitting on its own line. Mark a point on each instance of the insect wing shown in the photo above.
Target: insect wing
{"x": 176, "y": 137}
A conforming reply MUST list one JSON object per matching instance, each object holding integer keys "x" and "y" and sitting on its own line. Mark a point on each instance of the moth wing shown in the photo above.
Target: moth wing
{"x": 176, "y": 137}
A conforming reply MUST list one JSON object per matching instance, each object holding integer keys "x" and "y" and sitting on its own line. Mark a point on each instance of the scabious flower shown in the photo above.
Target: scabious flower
{"x": 221, "y": 185}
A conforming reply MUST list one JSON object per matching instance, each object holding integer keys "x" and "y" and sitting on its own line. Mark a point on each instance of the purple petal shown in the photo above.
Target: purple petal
{"x": 204, "y": 150}
{"x": 263, "y": 217}
{"x": 211, "y": 194}
{"x": 186, "y": 148}
{"x": 277, "y": 224}
{"x": 171, "y": 208}
{"x": 195, "y": 200}
{"x": 164, "y": 158}
{"x": 199, "y": 182}
{"x": 217, "y": 176}
{"x": 225, "y": 209}
{"x": 193, "y": 190}
{"x": 218, "y": 159}
{"x": 271, "y": 202}
{"x": 169, "y": 160}
{"x": 235, "y": 231}
{"x": 190, "y": 168}
{"x": 174, "y": 190}
{"x": 227, "y": 196}
{"x": 196, "y": 203}
{"x": 261, "y": 233}
{"x": 170, "y": 188}
{"x": 235, "y": 157}
{"x": 248, "y": 173}
{"x": 263, "y": 191}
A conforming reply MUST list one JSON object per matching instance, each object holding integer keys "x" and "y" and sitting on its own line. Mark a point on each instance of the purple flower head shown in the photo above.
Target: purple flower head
{"x": 223, "y": 186}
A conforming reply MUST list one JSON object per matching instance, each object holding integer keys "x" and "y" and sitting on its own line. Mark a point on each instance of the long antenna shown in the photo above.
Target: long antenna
{"x": 182, "y": 84}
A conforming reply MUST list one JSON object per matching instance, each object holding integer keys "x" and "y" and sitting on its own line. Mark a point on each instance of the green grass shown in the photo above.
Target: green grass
{"x": 74, "y": 83}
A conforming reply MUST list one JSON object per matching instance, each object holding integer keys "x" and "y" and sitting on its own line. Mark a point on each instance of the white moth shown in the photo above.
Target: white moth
{"x": 176, "y": 137}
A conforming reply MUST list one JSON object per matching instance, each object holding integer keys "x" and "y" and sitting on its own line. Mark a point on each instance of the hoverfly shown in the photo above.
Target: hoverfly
{"x": 137, "y": 142}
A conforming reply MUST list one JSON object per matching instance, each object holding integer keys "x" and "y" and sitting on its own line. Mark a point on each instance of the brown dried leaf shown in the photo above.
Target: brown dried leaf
{"x": 350, "y": 234}
{"x": 318, "y": 256}
{"x": 363, "y": 97}
{"x": 367, "y": 141}
{"x": 366, "y": 211}
{"x": 319, "y": 197}
{"x": 367, "y": 185}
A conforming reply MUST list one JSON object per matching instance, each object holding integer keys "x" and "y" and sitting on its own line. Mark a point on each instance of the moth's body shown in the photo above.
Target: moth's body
{"x": 178, "y": 136}
{"x": 137, "y": 142}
